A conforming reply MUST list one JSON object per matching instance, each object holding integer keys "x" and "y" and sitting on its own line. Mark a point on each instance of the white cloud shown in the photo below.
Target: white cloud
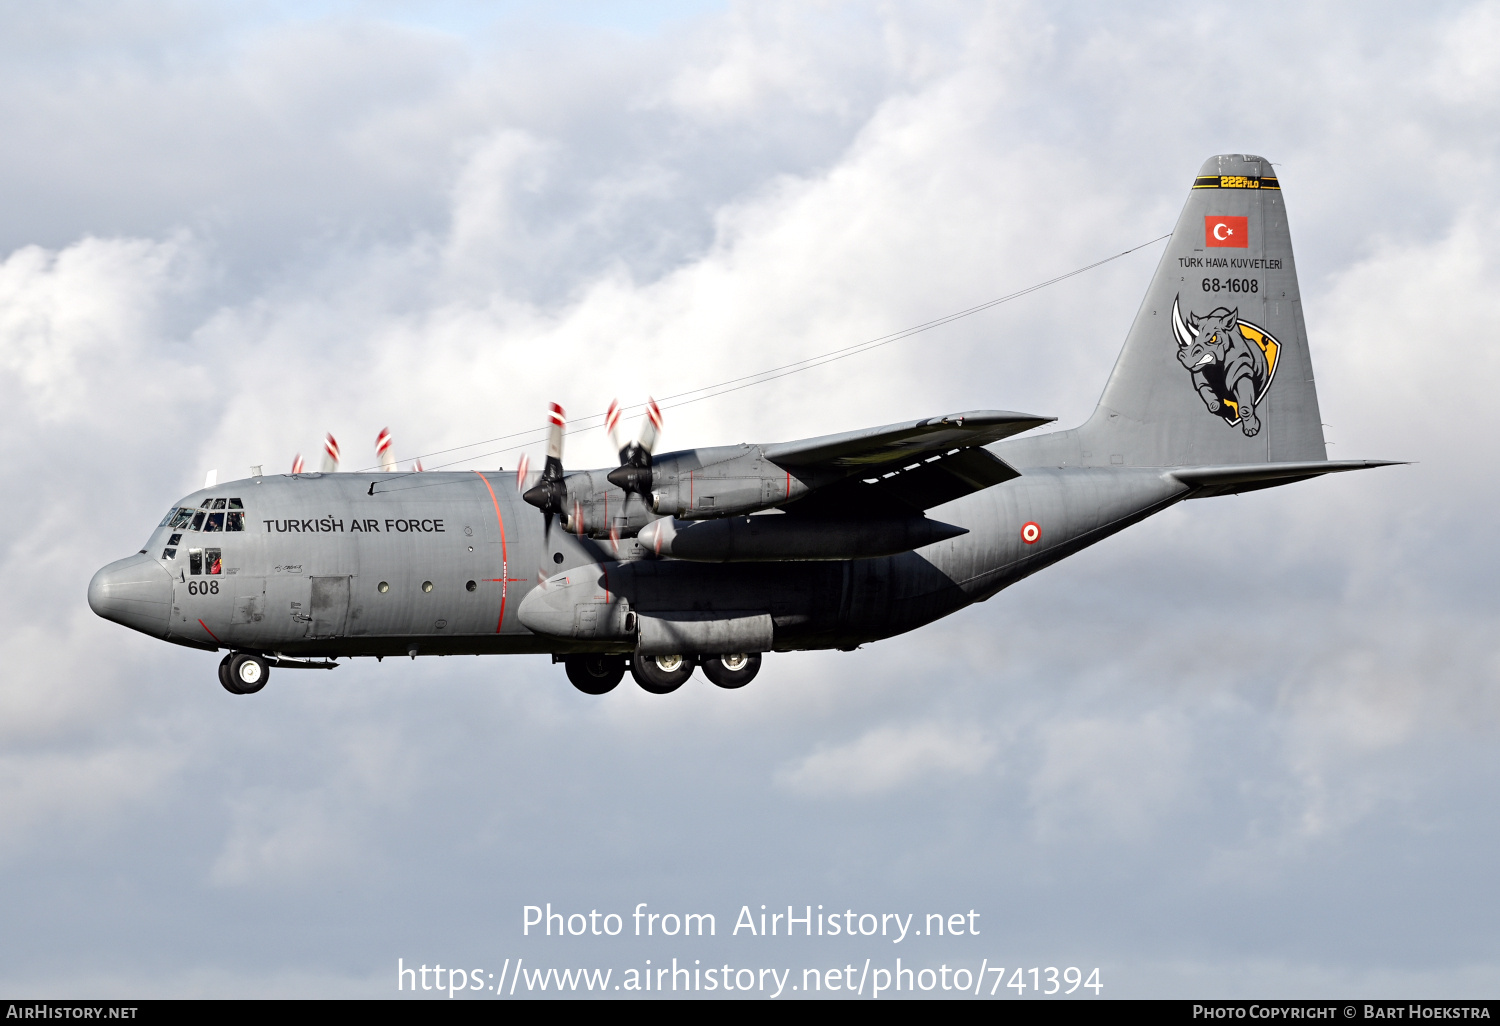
{"x": 1117, "y": 776}
{"x": 78, "y": 795}
{"x": 888, "y": 758}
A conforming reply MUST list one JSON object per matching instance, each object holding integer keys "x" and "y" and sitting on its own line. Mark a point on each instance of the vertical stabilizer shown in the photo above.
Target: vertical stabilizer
{"x": 1215, "y": 369}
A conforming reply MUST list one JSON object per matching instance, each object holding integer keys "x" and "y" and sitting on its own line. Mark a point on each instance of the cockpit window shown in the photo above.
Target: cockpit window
{"x": 212, "y": 562}
{"x": 195, "y": 561}
{"x": 235, "y": 521}
{"x": 176, "y": 539}
{"x": 215, "y": 521}
{"x": 169, "y": 553}
{"x": 198, "y": 520}
{"x": 170, "y": 514}
{"x": 215, "y": 504}
{"x": 236, "y": 504}
{"x": 181, "y": 517}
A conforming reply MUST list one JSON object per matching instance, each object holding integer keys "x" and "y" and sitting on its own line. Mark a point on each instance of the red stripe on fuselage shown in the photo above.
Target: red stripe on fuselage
{"x": 504, "y": 554}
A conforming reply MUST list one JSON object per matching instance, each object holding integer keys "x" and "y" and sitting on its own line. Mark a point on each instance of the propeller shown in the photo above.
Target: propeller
{"x": 633, "y": 475}
{"x": 383, "y": 450}
{"x": 549, "y": 494}
{"x": 298, "y": 466}
{"x": 330, "y": 454}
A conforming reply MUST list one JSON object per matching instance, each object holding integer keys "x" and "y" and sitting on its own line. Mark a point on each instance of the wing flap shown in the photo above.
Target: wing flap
{"x": 920, "y": 486}
{"x": 893, "y": 442}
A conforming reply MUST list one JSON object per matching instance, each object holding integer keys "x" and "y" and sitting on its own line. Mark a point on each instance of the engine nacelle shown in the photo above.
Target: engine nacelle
{"x": 594, "y": 507}
{"x": 702, "y": 484}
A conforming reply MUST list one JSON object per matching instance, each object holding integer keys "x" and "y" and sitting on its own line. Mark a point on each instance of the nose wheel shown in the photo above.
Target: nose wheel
{"x": 242, "y": 673}
{"x": 661, "y": 675}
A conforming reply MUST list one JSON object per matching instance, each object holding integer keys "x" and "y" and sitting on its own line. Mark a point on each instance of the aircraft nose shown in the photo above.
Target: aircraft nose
{"x": 135, "y": 591}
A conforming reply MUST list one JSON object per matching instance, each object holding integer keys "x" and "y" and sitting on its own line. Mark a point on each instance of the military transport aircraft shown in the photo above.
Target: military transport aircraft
{"x": 712, "y": 557}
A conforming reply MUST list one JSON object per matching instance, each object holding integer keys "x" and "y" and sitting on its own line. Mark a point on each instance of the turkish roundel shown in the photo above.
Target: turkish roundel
{"x": 1219, "y": 230}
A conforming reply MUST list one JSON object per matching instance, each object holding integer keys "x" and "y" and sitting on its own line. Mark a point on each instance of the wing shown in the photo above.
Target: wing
{"x": 917, "y": 465}
{"x": 897, "y": 442}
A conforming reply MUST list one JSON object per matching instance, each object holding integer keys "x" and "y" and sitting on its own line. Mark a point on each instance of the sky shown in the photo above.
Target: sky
{"x": 1245, "y": 749}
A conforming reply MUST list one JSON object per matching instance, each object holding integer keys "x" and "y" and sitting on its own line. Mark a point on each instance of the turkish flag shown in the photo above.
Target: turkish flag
{"x": 1226, "y": 231}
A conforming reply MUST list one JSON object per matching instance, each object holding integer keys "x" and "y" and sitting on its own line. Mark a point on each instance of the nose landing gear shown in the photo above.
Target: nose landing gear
{"x": 242, "y": 673}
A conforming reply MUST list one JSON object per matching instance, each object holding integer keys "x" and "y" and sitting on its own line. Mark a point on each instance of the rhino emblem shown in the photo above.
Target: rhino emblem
{"x": 1232, "y": 362}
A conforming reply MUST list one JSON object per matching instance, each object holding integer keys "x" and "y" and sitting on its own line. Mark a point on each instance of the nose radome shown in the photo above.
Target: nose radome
{"x": 135, "y": 591}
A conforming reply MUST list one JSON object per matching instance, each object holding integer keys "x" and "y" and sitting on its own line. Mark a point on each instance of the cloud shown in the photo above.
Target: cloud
{"x": 889, "y": 758}
{"x": 1105, "y": 774}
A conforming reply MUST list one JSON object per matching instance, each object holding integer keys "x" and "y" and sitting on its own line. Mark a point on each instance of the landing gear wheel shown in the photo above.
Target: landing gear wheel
{"x": 224, "y": 677}
{"x": 732, "y": 671}
{"x": 248, "y": 673}
{"x": 661, "y": 675}
{"x": 595, "y": 674}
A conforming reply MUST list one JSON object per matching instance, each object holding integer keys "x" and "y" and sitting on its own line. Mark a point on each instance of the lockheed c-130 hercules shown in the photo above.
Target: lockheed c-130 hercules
{"x": 712, "y": 557}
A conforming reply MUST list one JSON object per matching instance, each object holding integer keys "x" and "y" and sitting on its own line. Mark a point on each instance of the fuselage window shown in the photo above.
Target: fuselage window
{"x": 236, "y": 521}
{"x": 198, "y": 520}
{"x": 195, "y": 561}
{"x": 215, "y": 521}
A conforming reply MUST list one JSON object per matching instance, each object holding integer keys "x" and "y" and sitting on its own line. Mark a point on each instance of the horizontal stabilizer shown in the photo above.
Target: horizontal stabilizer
{"x": 874, "y": 446}
{"x": 1247, "y": 477}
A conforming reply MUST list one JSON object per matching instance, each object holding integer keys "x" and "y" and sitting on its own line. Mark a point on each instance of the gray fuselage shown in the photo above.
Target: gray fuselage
{"x": 379, "y": 564}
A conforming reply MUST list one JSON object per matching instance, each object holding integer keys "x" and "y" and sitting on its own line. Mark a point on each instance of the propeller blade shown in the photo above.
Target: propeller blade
{"x": 650, "y": 427}
{"x": 556, "y": 423}
{"x": 297, "y": 465}
{"x": 633, "y": 475}
{"x": 522, "y": 469}
{"x": 417, "y": 466}
{"x": 383, "y": 450}
{"x": 549, "y": 494}
{"x": 330, "y": 454}
{"x": 612, "y": 425}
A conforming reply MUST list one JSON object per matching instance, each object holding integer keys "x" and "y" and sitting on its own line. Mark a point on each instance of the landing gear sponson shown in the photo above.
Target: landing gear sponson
{"x": 661, "y": 674}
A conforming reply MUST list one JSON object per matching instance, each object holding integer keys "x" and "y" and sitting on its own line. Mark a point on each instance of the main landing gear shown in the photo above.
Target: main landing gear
{"x": 732, "y": 671}
{"x": 595, "y": 674}
{"x": 242, "y": 673}
{"x": 660, "y": 675}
